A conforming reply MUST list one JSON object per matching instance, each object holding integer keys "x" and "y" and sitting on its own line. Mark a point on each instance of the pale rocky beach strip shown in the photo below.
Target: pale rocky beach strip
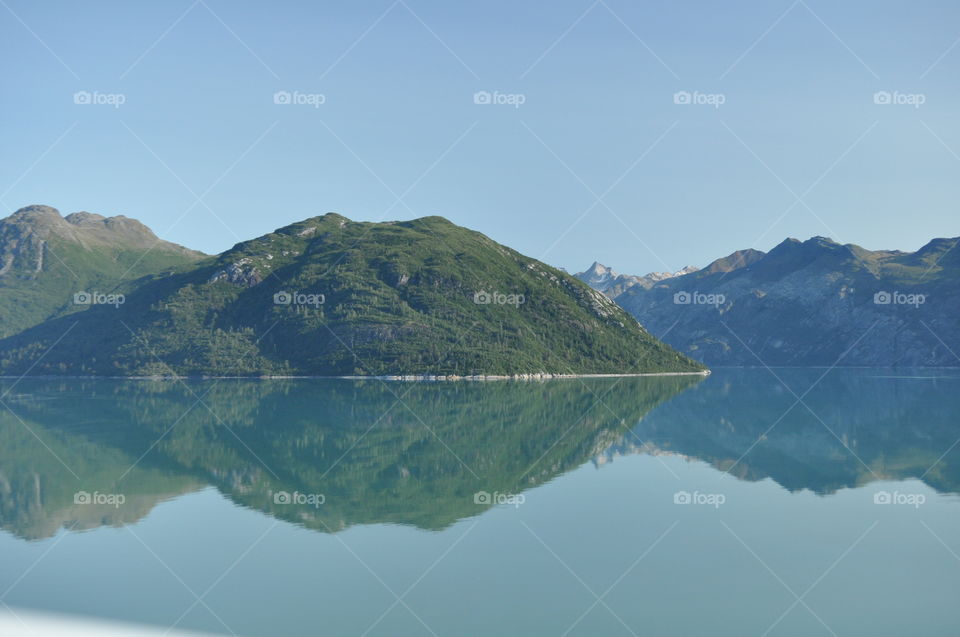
{"x": 390, "y": 377}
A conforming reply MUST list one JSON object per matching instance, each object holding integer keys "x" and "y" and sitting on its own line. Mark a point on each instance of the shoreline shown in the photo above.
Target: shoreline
{"x": 387, "y": 377}
{"x": 480, "y": 377}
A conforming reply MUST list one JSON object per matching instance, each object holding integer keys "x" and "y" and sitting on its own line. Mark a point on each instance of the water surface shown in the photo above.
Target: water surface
{"x": 654, "y": 506}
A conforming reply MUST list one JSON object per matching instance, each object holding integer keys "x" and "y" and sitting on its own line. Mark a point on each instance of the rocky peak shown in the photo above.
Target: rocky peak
{"x": 735, "y": 261}
{"x": 612, "y": 283}
{"x": 794, "y": 254}
{"x": 938, "y": 246}
{"x": 37, "y": 211}
{"x": 600, "y": 270}
{"x": 36, "y": 216}
{"x": 604, "y": 279}
{"x": 81, "y": 218}
{"x": 816, "y": 243}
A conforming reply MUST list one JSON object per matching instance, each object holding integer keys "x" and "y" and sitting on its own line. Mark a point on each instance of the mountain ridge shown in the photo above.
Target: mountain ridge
{"x": 813, "y": 302}
{"x": 46, "y": 258}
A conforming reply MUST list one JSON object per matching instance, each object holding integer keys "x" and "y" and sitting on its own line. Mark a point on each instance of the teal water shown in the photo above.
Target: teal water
{"x": 655, "y": 506}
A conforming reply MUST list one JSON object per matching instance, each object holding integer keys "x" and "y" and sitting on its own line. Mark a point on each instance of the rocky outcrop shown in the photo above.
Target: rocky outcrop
{"x": 243, "y": 273}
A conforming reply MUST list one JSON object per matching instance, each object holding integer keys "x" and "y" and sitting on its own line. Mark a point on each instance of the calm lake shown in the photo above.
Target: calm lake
{"x": 751, "y": 502}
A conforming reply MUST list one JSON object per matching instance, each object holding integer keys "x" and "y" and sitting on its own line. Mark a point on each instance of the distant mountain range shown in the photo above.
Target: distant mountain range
{"x": 612, "y": 283}
{"x": 329, "y": 296}
{"x": 811, "y": 303}
{"x": 325, "y": 296}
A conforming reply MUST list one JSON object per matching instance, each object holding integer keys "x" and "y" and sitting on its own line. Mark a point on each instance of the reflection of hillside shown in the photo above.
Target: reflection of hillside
{"x": 375, "y": 459}
{"x": 897, "y": 427}
{"x": 37, "y": 491}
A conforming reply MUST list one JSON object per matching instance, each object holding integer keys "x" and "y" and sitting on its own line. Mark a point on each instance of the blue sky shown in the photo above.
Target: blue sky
{"x": 598, "y": 162}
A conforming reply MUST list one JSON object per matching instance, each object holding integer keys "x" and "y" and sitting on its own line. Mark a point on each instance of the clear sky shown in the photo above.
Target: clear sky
{"x": 586, "y": 157}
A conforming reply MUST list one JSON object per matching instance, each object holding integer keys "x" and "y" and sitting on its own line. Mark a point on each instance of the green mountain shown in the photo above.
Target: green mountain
{"x": 328, "y": 296}
{"x": 814, "y": 302}
{"x": 45, "y": 259}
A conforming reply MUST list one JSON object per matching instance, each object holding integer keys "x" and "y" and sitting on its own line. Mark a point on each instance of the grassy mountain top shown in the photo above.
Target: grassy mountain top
{"x": 329, "y": 296}
{"x": 89, "y": 229}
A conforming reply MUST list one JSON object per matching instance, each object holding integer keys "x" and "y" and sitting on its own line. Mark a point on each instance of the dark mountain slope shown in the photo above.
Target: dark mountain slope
{"x": 808, "y": 303}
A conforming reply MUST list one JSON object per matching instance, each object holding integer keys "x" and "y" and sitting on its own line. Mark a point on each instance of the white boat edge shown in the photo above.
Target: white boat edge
{"x": 24, "y": 623}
